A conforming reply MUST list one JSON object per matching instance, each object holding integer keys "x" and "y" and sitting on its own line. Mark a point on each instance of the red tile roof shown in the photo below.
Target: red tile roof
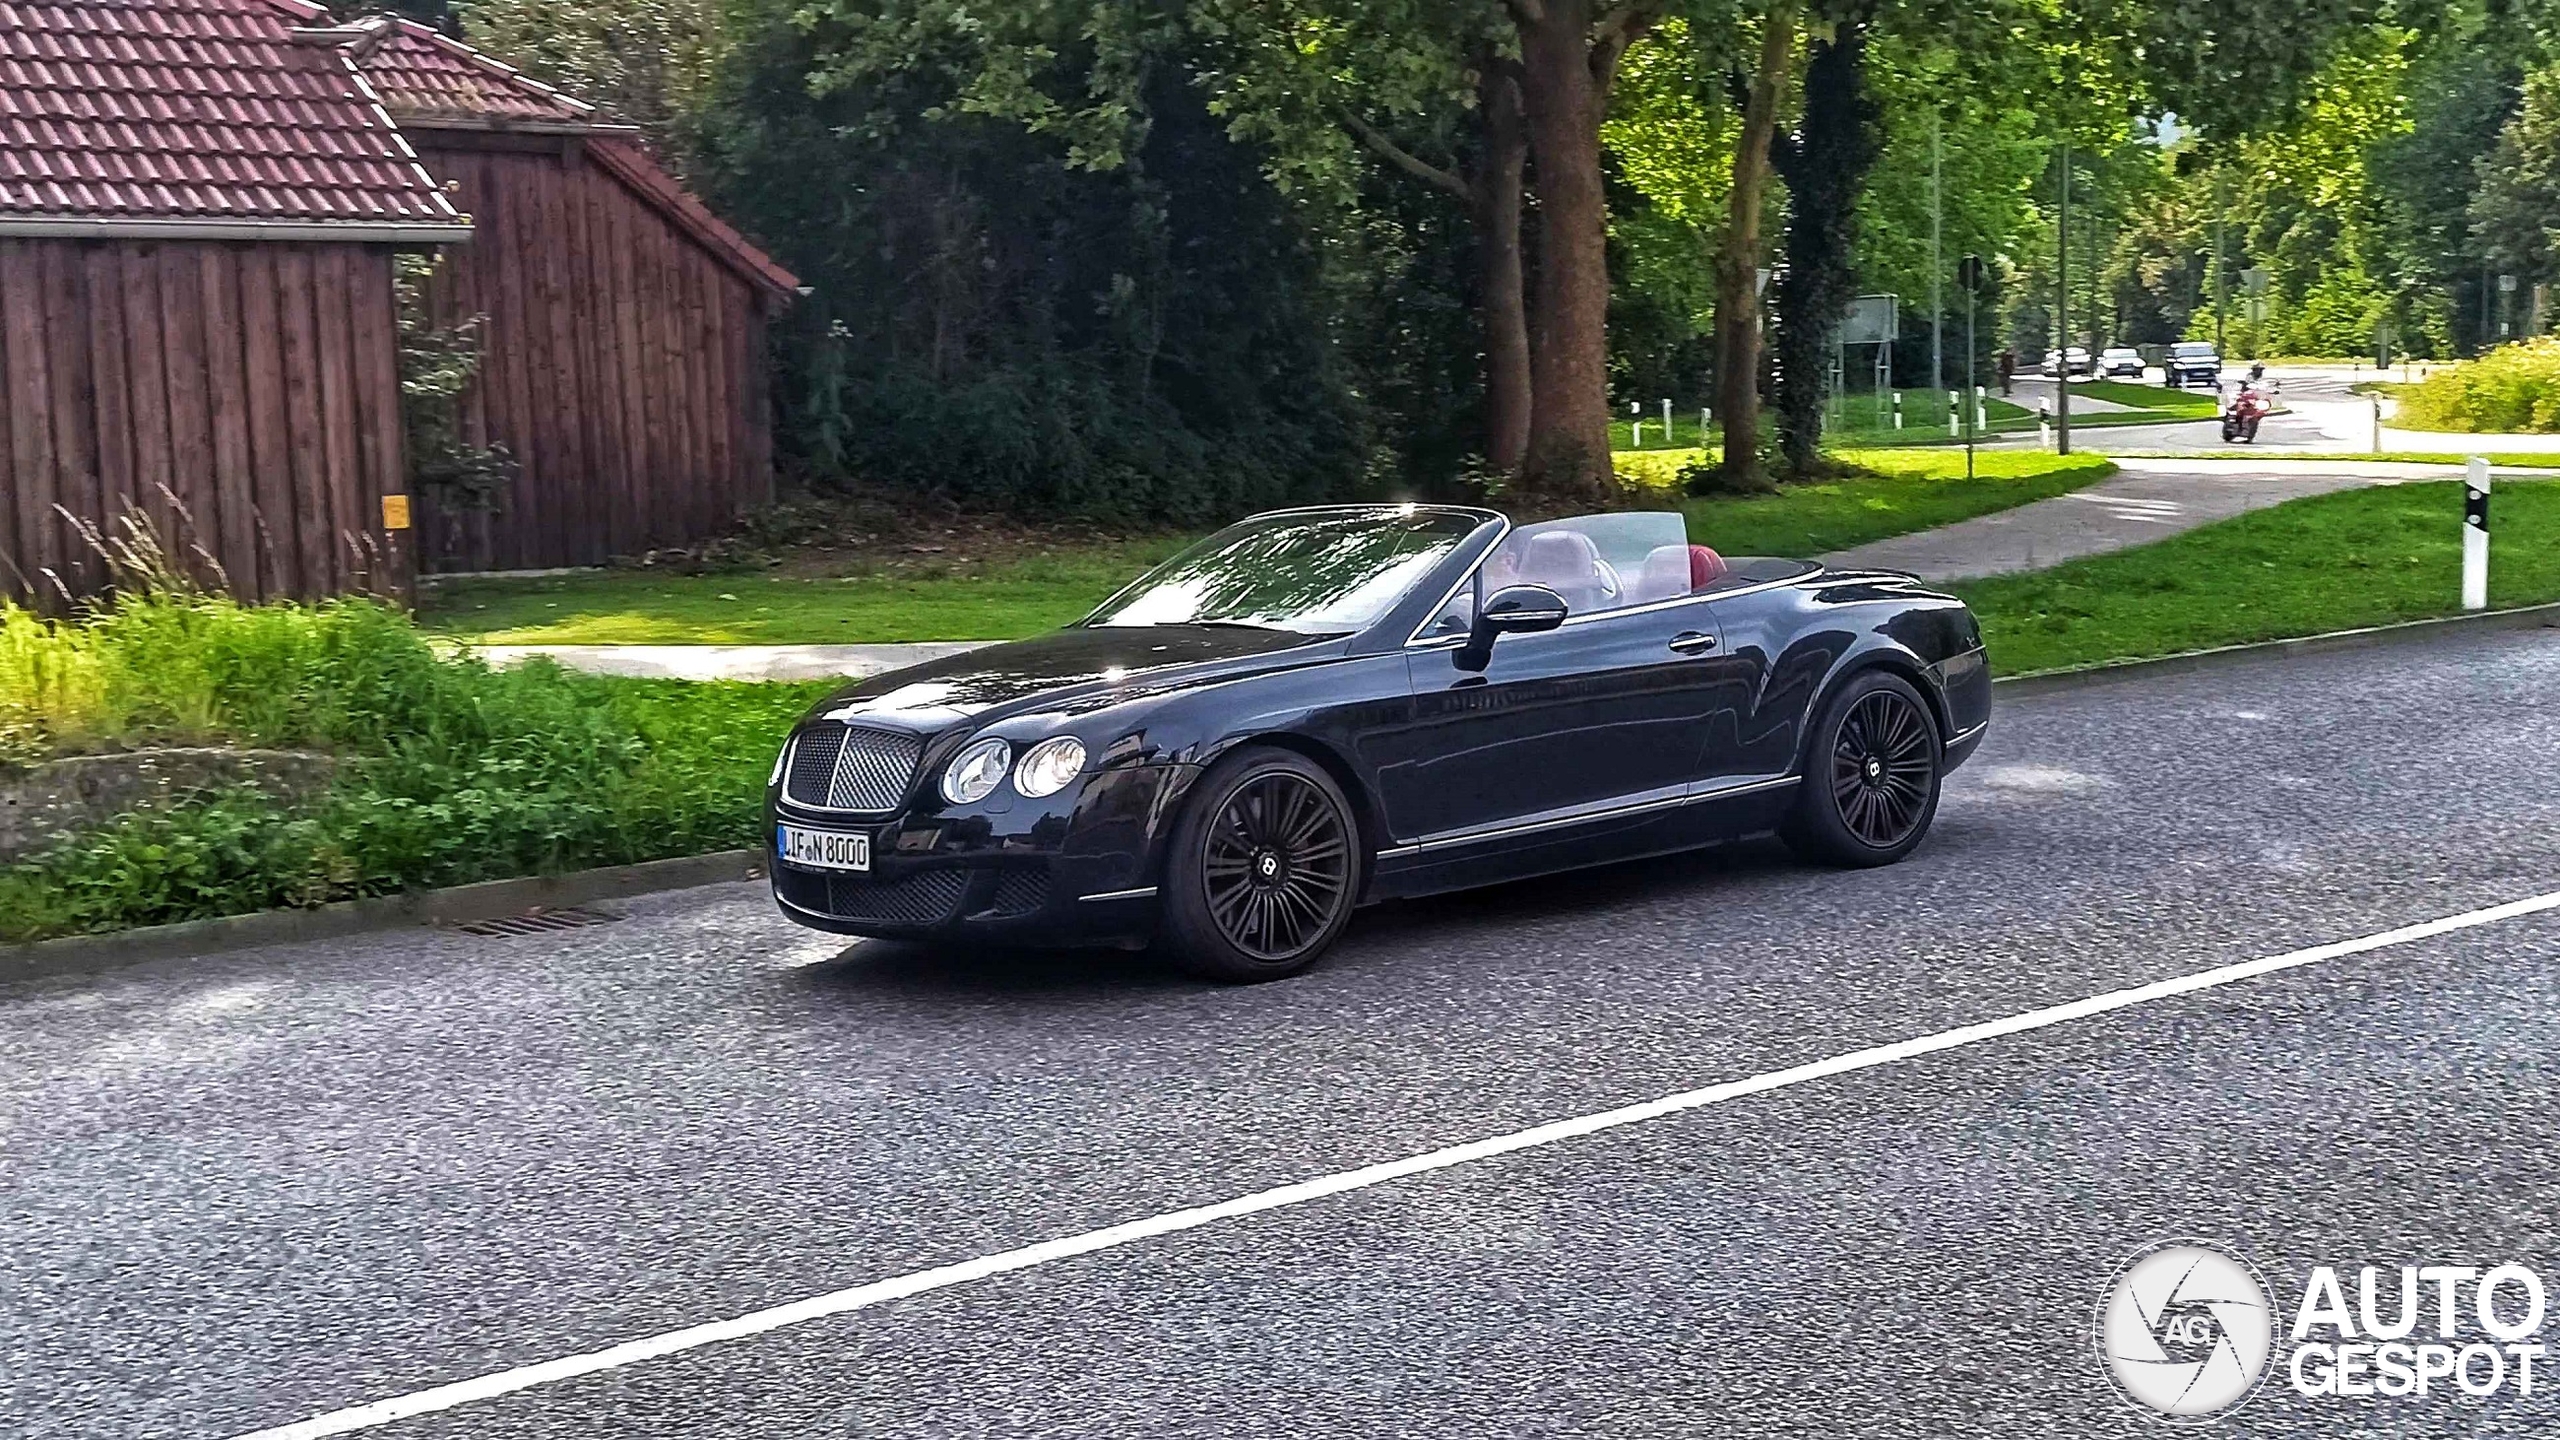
{"x": 424, "y": 76}
{"x": 138, "y": 113}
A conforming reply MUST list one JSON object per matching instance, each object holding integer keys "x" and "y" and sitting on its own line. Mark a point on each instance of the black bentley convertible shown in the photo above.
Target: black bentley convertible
{"x": 1312, "y": 709}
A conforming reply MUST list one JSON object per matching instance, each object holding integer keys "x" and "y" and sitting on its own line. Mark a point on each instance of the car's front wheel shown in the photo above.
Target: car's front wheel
{"x": 1871, "y": 772}
{"x": 1263, "y": 869}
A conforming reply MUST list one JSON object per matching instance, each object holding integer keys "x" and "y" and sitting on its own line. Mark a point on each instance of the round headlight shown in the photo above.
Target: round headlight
{"x": 1049, "y": 766}
{"x": 976, "y": 771}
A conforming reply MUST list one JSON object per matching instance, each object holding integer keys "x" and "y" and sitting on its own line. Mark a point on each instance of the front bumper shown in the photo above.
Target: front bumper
{"x": 1076, "y": 870}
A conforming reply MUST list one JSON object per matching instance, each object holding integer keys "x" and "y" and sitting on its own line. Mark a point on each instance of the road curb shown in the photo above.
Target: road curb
{"x": 2525, "y": 617}
{"x": 461, "y": 904}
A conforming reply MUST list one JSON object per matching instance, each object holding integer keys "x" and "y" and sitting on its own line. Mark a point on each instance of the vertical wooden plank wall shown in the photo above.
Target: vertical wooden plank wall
{"x": 254, "y": 383}
{"x": 622, "y": 363}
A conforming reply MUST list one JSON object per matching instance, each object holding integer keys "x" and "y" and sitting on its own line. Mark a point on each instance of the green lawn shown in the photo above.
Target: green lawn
{"x": 2331, "y": 562}
{"x": 1001, "y": 601}
{"x": 650, "y": 607}
{"x": 2186, "y": 404}
{"x": 1913, "y": 489}
{"x": 1860, "y": 417}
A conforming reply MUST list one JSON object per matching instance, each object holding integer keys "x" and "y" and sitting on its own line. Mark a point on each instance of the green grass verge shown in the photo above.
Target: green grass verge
{"x": 448, "y": 772}
{"x": 652, "y": 607}
{"x": 1908, "y": 489}
{"x": 2179, "y": 404}
{"x": 2331, "y": 562}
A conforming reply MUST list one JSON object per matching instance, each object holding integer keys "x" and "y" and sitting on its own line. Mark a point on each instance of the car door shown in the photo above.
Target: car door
{"x": 1609, "y": 709}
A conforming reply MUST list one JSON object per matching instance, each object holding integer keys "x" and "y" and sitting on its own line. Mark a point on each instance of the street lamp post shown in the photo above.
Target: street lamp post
{"x": 2062, "y": 310}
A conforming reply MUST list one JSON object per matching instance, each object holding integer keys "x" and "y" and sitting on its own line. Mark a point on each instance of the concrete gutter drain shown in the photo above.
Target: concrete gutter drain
{"x": 538, "y": 922}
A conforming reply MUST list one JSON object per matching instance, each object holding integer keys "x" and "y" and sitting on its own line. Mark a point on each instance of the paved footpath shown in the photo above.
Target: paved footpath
{"x": 2146, "y": 500}
{"x": 248, "y": 1189}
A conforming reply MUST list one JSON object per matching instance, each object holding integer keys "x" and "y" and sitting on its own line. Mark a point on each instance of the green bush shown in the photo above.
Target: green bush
{"x": 2512, "y": 389}
{"x": 449, "y": 771}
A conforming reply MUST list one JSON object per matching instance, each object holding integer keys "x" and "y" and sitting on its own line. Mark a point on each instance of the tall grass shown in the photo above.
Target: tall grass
{"x": 449, "y": 771}
{"x": 2512, "y": 389}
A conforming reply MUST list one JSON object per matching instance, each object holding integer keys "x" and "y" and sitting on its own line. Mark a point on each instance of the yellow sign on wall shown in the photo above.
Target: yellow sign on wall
{"x": 395, "y": 512}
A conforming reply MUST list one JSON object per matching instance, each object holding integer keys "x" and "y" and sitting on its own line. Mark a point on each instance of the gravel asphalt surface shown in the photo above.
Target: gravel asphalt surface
{"x": 258, "y": 1187}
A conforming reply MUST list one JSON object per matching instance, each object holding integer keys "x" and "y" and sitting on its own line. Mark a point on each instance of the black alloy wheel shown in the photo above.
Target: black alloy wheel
{"x": 1870, "y": 783}
{"x": 1264, "y": 869}
{"x": 1882, "y": 763}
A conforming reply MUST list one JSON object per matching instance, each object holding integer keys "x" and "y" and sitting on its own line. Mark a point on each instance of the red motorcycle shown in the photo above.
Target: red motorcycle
{"x": 2240, "y": 419}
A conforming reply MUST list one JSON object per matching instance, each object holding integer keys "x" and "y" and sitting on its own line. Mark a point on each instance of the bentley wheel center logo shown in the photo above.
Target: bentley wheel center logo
{"x": 2185, "y": 1329}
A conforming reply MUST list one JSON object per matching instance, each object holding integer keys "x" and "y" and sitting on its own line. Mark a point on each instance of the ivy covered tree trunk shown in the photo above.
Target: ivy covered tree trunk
{"x": 1737, "y": 331}
{"x": 1825, "y": 166}
{"x": 1503, "y": 302}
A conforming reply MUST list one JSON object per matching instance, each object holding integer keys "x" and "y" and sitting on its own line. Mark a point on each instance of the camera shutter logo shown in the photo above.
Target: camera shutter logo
{"x": 2185, "y": 1329}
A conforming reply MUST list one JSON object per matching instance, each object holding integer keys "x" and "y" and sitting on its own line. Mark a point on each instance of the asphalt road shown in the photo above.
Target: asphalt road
{"x": 261, "y": 1187}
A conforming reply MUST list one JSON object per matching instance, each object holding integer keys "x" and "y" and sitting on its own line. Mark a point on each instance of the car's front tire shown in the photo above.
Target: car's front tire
{"x": 1263, "y": 870}
{"x": 1871, "y": 773}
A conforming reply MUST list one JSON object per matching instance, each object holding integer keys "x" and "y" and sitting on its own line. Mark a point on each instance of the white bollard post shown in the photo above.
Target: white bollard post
{"x": 2377, "y": 424}
{"x": 1706, "y": 417}
{"x": 2044, "y": 422}
{"x": 2475, "y": 535}
{"x": 1955, "y": 416}
{"x": 1635, "y": 436}
{"x": 1981, "y": 410}
{"x": 1666, "y": 422}
{"x": 1897, "y": 409}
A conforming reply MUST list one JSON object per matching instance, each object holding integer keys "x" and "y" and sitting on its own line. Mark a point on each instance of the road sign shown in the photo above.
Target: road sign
{"x": 1872, "y": 320}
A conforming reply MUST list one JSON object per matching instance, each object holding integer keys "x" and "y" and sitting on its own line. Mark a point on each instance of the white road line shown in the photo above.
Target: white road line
{"x": 505, "y": 1382}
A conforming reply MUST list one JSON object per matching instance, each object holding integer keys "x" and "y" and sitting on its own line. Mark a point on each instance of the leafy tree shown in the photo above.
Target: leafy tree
{"x": 1825, "y": 164}
{"x": 645, "y": 62}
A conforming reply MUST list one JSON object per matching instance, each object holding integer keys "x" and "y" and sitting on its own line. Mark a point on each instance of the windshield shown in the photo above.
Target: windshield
{"x": 1315, "y": 572}
{"x": 2190, "y": 348}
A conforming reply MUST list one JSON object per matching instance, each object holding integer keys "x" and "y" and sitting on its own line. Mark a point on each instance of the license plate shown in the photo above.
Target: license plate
{"x": 823, "y": 849}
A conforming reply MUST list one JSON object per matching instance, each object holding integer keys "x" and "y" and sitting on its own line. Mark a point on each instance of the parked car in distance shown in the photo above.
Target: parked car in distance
{"x": 1316, "y": 708}
{"x": 2120, "y": 361}
{"x": 2078, "y": 361}
{"x": 2192, "y": 362}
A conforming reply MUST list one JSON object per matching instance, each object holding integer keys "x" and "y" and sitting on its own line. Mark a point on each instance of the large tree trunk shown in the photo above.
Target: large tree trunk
{"x": 1825, "y": 167}
{"x": 1503, "y": 304}
{"x": 1564, "y": 87}
{"x": 1738, "y": 262}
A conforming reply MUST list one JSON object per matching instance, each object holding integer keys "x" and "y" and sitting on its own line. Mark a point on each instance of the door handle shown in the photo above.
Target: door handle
{"x": 1693, "y": 642}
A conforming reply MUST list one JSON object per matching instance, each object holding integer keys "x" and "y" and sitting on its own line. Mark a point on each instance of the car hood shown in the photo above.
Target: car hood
{"x": 1069, "y": 671}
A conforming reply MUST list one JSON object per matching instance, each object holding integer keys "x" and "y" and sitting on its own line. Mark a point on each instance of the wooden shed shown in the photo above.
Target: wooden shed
{"x": 199, "y": 202}
{"x": 624, "y": 328}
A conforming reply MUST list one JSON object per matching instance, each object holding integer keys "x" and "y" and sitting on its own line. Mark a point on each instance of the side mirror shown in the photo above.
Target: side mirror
{"x": 1512, "y": 610}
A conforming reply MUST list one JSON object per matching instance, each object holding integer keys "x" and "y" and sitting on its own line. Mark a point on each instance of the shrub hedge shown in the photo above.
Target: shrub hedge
{"x": 2513, "y": 389}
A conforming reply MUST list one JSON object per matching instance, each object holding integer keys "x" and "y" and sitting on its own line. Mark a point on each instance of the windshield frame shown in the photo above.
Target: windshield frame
{"x": 1463, "y": 554}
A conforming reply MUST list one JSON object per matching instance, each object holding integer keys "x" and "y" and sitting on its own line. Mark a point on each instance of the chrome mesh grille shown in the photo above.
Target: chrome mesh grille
{"x": 838, "y": 767}
{"x": 813, "y": 763}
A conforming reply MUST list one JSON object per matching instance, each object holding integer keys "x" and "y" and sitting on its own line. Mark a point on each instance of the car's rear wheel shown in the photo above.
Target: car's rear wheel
{"x": 1263, "y": 870}
{"x": 1870, "y": 785}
